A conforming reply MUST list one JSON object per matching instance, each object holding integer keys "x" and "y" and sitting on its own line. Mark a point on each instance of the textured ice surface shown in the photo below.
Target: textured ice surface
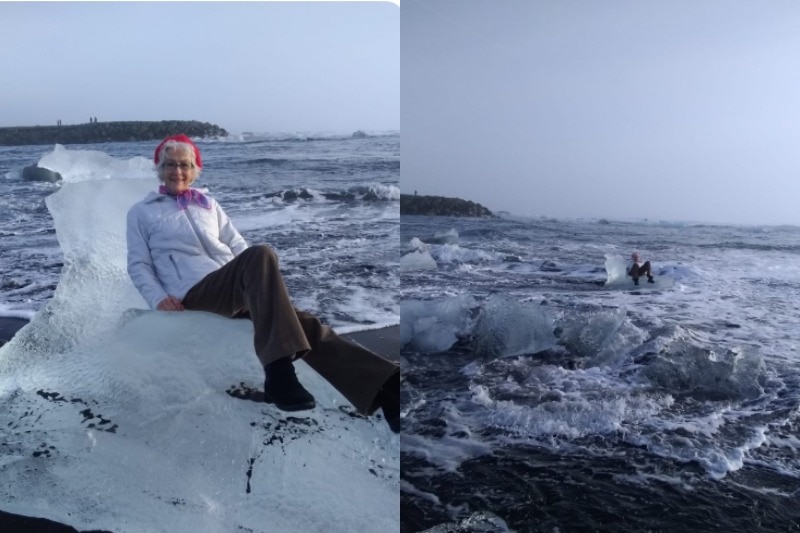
{"x": 115, "y": 417}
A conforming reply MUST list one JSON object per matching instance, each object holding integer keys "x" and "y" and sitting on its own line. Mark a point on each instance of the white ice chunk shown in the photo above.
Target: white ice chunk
{"x": 416, "y": 261}
{"x": 434, "y": 326}
{"x": 616, "y": 269}
{"x": 508, "y": 327}
{"x": 84, "y": 165}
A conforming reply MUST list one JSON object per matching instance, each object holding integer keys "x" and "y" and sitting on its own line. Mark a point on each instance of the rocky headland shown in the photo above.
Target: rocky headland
{"x": 411, "y": 204}
{"x": 99, "y": 132}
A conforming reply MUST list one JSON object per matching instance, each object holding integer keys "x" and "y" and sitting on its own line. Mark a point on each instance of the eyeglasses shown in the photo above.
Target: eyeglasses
{"x": 172, "y": 165}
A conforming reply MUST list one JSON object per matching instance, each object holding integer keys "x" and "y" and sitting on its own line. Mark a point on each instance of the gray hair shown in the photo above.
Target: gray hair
{"x": 176, "y": 145}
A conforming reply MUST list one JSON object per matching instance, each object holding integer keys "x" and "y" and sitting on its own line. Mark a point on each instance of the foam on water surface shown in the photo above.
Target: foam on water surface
{"x": 685, "y": 380}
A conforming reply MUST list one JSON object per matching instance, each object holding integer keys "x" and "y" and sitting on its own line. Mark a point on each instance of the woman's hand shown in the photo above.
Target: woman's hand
{"x": 170, "y": 303}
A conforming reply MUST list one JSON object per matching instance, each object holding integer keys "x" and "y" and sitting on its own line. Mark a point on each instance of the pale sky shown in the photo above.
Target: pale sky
{"x": 245, "y": 66}
{"x": 679, "y": 110}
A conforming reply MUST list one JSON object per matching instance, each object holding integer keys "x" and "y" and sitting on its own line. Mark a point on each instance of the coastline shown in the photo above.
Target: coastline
{"x": 99, "y": 132}
{"x": 442, "y": 206}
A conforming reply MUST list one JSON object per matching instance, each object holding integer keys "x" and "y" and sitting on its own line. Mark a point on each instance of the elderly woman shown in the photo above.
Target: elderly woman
{"x": 636, "y": 270}
{"x": 184, "y": 253}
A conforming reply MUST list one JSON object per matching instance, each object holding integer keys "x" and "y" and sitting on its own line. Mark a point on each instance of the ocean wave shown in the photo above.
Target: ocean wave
{"x": 677, "y": 392}
{"x": 358, "y": 193}
{"x": 753, "y": 246}
{"x": 257, "y": 137}
{"x": 321, "y": 166}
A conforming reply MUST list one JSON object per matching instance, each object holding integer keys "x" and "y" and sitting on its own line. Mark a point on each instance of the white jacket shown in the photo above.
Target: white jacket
{"x": 169, "y": 250}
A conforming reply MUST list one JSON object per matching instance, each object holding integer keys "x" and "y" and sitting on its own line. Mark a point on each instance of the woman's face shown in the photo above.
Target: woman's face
{"x": 179, "y": 171}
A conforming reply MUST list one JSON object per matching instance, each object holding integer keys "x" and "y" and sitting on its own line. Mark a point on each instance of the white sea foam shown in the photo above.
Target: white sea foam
{"x": 444, "y": 249}
{"x": 452, "y": 253}
{"x": 12, "y": 311}
{"x": 697, "y": 369}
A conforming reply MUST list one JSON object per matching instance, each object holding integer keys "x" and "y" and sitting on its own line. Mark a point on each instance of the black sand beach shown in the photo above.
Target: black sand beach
{"x": 385, "y": 341}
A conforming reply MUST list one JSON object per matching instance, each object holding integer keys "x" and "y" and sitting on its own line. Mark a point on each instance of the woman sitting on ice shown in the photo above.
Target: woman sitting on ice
{"x": 184, "y": 253}
{"x": 636, "y": 271}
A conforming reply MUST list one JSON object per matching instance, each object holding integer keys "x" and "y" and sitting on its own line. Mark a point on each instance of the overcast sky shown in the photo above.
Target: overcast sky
{"x": 246, "y": 66}
{"x": 680, "y": 110}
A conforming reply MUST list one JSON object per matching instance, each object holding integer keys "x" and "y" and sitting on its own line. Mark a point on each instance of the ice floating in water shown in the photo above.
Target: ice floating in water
{"x": 617, "y": 276}
{"x": 605, "y": 338}
{"x": 426, "y": 256}
{"x": 680, "y": 361}
{"x": 430, "y": 327}
{"x": 415, "y": 244}
{"x": 508, "y": 327}
{"x": 417, "y": 260}
{"x": 505, "y": 327}
{"x": 85, "y": 165}
{"x": 133, "y": 429}
{"x": 616, "y": 269}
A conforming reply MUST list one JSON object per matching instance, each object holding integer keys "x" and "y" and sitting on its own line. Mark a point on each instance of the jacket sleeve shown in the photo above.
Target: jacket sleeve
{"x": 228, "y": 233}
{"x": 140, "y": 261}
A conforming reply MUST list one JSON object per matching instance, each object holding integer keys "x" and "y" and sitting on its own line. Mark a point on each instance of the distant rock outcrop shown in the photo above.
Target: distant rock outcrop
{"x": 441, "y": 206}
{"x": 98, "y": 132}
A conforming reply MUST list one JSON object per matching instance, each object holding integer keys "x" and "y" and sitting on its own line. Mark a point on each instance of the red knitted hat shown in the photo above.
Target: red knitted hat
{"x": 181, "y": 138}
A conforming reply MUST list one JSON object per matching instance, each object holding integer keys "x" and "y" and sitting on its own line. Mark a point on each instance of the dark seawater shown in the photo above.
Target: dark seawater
{"x": 329, "y": 205}
{"x": 539, "y": 398}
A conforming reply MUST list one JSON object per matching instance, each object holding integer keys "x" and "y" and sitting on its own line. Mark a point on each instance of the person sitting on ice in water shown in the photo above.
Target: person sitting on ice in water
{"x": 184, "y": 253}
{"x": 636, "y": 271}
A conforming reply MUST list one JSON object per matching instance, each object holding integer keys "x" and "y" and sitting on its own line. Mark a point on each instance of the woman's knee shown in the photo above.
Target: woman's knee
{"x": 261, "y": 251}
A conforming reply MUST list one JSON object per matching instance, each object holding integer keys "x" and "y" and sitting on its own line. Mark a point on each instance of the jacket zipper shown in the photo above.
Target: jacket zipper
{"x": 200, "y": 238}
{"x": 174, "y": 264}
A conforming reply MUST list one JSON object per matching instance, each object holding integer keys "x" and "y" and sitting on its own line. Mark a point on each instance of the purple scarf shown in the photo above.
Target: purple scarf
{"x": 187, "y": 196}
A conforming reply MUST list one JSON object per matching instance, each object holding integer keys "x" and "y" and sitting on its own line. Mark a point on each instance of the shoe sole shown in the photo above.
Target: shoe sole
{"x": 290, "y": 407}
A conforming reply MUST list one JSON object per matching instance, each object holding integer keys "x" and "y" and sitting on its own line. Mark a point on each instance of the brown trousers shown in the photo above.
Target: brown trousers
{"x": 637, "y": 271}
{"x": 252, "y": 282}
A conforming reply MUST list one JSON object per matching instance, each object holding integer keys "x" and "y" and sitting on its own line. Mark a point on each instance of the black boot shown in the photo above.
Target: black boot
{"x": 282, "y": 388}
{"x": 650, "y": 279}
{"x": 388, "y": 400}
{"x": 635, "y": 281}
